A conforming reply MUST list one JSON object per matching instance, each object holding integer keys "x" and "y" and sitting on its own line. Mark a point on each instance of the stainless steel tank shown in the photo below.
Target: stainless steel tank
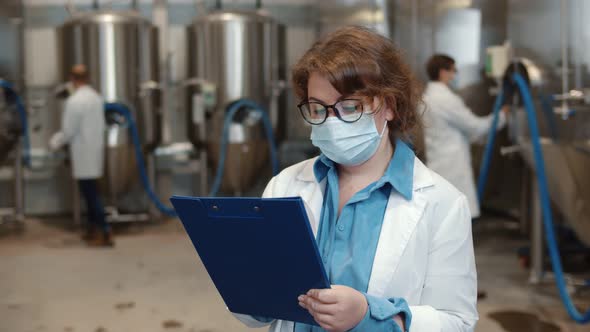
{"x": 120, "y": 50}
{"x": 243, "y": 54}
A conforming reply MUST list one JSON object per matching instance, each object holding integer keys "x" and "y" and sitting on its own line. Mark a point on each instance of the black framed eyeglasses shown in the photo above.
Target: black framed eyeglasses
{"x": 316, "y": 113}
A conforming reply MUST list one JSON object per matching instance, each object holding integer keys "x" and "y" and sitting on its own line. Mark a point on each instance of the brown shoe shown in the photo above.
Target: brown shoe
{"x": 101, "y": 239}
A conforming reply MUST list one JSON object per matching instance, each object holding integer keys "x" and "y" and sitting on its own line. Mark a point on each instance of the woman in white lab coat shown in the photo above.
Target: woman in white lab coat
{"x": 395, "y": 237}
{"x": 450, "y": 127}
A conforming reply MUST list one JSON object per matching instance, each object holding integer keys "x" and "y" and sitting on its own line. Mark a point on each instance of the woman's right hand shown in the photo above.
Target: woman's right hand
{"x": 337, "y": 309}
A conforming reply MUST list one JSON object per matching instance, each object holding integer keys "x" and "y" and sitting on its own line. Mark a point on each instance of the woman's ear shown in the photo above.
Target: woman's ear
{"x": 384, "y": 104}
{"x": 389, "y": 114}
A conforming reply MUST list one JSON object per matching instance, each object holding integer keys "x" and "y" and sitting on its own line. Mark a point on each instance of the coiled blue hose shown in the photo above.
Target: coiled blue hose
{"x": 581, "y": 318}
{"x": 22, "y": 112}
{"x": 233, "y": 109}
{"x": 126, "y": 113}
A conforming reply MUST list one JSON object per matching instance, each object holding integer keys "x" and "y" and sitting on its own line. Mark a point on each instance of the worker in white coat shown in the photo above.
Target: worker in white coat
{"x": 450, "y": 127}
{"x": 82, "y": 128}
{"x": 394, "y": 237}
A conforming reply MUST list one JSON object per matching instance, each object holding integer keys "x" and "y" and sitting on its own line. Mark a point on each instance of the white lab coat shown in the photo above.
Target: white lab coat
{"x": 424, "y": 254}
{"x": 83, "y": 128}
{"x": 449, "y": 128}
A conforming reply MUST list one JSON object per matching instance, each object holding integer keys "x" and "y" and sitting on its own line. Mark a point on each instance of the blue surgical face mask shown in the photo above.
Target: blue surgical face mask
{"x": 348, "y": 144}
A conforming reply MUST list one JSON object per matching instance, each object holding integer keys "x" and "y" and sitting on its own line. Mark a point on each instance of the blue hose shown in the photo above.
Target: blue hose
{"x": 484, "y": 170}
{"x": 126, "y": 113}
{"x": 487, "y": 155}
{"x": 546, "y": 204}
{"x": 543, "y": 194}
{"x": 22, "y": 112}
{"x": 233, "y": 109}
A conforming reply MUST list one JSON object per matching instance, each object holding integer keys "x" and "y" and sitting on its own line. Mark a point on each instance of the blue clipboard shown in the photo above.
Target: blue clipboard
{"x": 260, "y": 252}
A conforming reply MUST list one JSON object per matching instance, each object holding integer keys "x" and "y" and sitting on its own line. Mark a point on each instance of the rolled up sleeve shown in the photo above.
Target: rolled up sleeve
{"x": 379, "y": 317}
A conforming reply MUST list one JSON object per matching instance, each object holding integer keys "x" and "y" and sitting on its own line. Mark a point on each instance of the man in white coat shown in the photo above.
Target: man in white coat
{"x": 450, "y": 127}
{"x": 82, "y": 128}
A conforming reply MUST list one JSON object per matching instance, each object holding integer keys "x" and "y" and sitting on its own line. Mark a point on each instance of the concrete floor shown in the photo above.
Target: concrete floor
{"x": 153, "y": 281}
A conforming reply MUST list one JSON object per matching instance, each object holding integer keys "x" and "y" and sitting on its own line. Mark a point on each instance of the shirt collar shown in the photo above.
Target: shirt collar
{"x": 322, "y": 166}
{"x": 399, "y": 173}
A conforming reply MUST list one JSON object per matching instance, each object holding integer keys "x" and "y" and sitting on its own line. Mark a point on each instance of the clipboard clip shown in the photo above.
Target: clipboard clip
{"x": 238, "y": 209}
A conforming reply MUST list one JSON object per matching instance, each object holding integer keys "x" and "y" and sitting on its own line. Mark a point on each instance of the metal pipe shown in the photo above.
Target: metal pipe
{"x": 95, "y": 4}
{"x": 160, "y": 19}
{"x": 201, "y": 7}
{"x": 20, "y": 28}
{"x": 258, "y": 4}
{"x": 70, "y": 8}
{"x": 536, "y": 272}
{"x": 389, "y": 11}
{"x": 19, "y": 197}
{"x": 218, "y": 5}
{"x": 134, "y": 5}
{"x": 203, "y": 168}
{"x": 151, "y": 170}
{"x": 578, "y": 28}
{"x": 564, "y": 56}
{"x": 414, "y": 34}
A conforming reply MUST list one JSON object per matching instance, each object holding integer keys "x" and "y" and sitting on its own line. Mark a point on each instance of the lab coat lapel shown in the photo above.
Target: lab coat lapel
{"x": 399, "y": 223}
{"x": 312, "y": 195}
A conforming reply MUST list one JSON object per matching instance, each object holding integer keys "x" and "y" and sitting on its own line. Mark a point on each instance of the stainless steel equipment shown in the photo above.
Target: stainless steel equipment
{"x": 566, "y": 150}
{"x": 10, "y": 127}
{"x": 11, "y": 151}
{"x": 11, "y": 69}
{"x": 242, "y": 54}
{"x": 12, "y": 36}
{"x": 537, "y": 30}
{"x": 121, "y": 52}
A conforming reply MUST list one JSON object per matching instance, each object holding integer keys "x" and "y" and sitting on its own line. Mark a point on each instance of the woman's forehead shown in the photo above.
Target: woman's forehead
{"x": 320, "y": 88}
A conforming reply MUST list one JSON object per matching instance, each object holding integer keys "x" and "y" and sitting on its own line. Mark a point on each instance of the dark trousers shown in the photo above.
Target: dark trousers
{"x": 94, "y": 208}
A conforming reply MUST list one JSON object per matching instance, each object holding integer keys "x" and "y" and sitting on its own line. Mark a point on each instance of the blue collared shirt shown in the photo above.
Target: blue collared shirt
{"x": 347, "y": 243}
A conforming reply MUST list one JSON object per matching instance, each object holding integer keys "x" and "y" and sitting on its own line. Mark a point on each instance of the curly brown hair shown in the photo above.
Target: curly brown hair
{"x": 358, "y": 60}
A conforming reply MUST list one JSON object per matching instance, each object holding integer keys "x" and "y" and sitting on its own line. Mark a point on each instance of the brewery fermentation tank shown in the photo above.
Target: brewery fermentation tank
{"x": 120, "y": 50}
{"x": 241, "y": 54}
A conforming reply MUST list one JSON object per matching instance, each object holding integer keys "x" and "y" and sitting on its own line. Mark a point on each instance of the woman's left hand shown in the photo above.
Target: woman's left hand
{"x": 339, "y": 308}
